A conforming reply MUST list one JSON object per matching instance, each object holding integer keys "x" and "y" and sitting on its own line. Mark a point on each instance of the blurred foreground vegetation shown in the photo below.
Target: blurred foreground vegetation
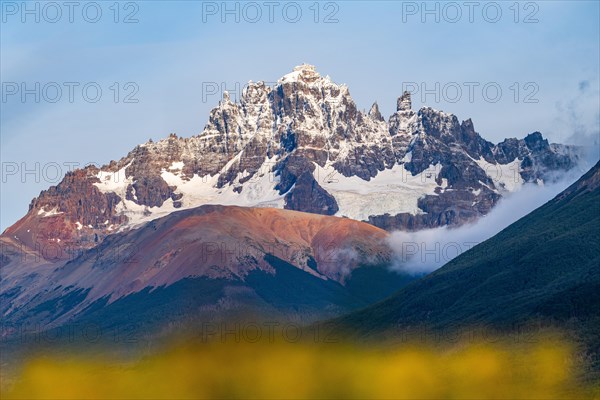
{"x": 278, "y": 369}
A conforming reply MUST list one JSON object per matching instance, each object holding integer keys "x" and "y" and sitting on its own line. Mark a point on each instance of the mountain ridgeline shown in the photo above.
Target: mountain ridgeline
{"x": 300, "y": 145}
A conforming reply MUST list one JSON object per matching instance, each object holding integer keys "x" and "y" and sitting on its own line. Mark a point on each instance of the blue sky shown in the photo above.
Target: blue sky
{"x": 175, "y": 49}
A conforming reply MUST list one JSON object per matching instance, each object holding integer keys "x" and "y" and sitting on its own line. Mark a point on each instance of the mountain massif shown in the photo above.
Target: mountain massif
{"x": 280, "y": 207}
{"x": 300, "y": 145}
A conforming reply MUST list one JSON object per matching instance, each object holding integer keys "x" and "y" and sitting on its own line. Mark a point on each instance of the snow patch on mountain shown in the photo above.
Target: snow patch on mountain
{"x": 257, "y": 191}
{"x": 115, "y": 182}
{"x": 176, "y": 166}
{"x": 43, "y": 213}
{"x": 393, "y": 191}
{"x": 506, "y": 177}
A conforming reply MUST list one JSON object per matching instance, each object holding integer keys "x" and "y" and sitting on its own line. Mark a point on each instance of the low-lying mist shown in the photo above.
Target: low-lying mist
{"x": 424, "y": 251}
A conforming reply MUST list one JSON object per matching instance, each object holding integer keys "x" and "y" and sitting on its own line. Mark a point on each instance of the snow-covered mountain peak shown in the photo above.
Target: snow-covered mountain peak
{"x": 304, "y": 145}
{"x": 306, "y": 75}
{"x": 302, "y": 73}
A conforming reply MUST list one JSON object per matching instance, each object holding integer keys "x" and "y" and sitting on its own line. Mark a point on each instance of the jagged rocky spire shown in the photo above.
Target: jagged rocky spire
{"x": 375, "y": 113}
{"x": 404, "y": 103}
{"x": 226, "y": 97}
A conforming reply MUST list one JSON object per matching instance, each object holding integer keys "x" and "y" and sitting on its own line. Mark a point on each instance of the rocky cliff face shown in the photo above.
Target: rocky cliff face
{"x": 301, "y": 145}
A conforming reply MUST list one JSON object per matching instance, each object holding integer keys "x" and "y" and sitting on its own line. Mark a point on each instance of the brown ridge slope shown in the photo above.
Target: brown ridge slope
{"x": 226, "y": 241}
{"x": 219, "y": 243}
